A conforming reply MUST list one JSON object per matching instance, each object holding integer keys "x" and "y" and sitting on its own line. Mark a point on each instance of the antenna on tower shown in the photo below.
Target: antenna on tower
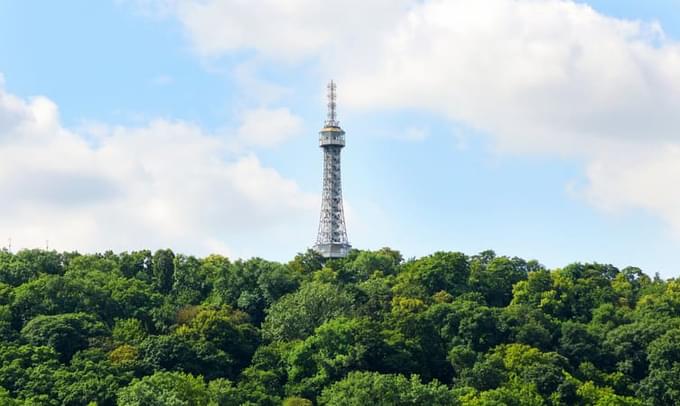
{"x": 331, "y": 118}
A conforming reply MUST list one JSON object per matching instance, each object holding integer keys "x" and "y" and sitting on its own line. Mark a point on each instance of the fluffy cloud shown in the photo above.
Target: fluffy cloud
{"x": 637, "y": 175}
{"x": 284, "y": 30}
{"x": 538, "y": 75}
{"x": 164, "y": 184}
{"x": 544, "y": 77}
{"x": 264, "y": 127}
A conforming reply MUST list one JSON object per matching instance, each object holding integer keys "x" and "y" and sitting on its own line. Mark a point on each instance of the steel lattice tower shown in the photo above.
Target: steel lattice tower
{"x": 332, "y": 239}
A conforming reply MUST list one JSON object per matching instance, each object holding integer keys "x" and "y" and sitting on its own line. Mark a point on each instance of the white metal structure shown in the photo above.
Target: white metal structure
{"x": 331, "y": 241}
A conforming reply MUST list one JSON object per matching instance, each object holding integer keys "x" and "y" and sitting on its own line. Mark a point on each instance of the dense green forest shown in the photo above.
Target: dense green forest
{"x": 161, "y": 328}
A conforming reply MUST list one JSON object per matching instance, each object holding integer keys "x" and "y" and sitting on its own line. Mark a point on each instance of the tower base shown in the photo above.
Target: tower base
{"x": 332, "y": 250}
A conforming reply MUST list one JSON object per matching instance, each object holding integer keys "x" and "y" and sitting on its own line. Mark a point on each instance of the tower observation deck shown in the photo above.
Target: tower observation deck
{"x": 331, "y": 242}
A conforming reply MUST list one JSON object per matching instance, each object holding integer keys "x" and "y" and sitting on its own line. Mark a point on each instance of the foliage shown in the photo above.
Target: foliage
{"x": 297, "y": 314}
{"x": 372, "y": 388}
{"x": 66, "y": 333}
{"x": 145, "y": 328}
{"x": 165, "y": 389}
{"x": 335, "y": 348}
{"x": 254, "y": 285}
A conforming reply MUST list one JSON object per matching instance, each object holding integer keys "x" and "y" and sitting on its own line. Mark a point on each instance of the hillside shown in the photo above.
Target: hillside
{"x": 161, "y": 328}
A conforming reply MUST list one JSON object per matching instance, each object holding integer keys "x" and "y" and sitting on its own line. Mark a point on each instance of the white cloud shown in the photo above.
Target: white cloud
{"x": 549, "y": 77}
{"x": 265, "y": 127}
{"x": 164, "y": 184}
{"x": 538, "y": 75}
{"x": 636, "y": 175}
{"x": 283, "y": 30}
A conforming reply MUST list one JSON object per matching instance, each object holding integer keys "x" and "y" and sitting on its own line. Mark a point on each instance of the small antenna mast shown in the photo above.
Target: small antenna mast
{"x": 331, "y": 119}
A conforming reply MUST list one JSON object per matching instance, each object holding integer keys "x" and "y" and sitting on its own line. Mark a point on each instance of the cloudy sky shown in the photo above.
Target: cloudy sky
{"x": 547, "y": 129}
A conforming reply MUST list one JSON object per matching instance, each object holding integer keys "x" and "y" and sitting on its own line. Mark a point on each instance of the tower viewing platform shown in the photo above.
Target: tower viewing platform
{"x": 332, "y": 136}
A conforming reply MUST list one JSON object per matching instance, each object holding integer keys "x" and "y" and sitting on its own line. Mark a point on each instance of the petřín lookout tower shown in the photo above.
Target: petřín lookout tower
{"x": 332, "y": 239}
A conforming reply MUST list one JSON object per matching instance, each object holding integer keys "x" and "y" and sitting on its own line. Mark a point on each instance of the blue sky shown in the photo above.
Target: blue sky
{"x": 178, "y": 127}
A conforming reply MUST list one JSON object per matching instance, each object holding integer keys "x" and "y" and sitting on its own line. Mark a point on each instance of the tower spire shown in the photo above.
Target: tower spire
{"x": 331, "y": 117}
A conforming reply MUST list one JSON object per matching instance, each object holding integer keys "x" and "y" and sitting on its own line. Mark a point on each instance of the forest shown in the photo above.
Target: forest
{"x": 159, "y": 328}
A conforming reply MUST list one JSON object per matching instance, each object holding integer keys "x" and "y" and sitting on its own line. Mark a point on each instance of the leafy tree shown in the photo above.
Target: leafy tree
{"x": 371, "y": 388}
{"x": 597, "y": 396}
{"x": 125, "y": 355}
{"x": 254, "y": 285}
{"x": 516, "y": 393}
{"x": 90, "y": 377}
{"x": 53, "y": 294}
{"x": 415, "y": 341}
{"x": 447, "y": 271}
{"x": 136, "y": 264}
{"x": 66, "y": 333}
{"x": 165, "y": 389}
{"x": 41, "y": 261}
{"x": 296, "y": 315}
{"x": 607, "y": 317}
{"x": 225, "y": 393}
{"x": 86, "y": 264}
{"x": 7, "y": 400}
{"x": 373, "y": 296}
{"x": 223, "y": 330}
{"x": 132, "y": 298}
{"x": 384, "y": 261}
{"x": 336, "y": 348}
{"x": 535, "y": 291}
{"x": 629, "y": 285}
{"x": 6, "y": 294}
{"x": 143, "y": 328}
{"x": 180, "y": 353}
{"x": 163, "y": 270}
{"x": 215, "y": 344}
{"x": 569, "y": 293}
{"x": 578, "y": 345}
{"x": 7, "y": 332}
{"x": 296, "y": 401}
{"x": 662, "y": 387}
{"x": 268, "y": 370}
{"x": 14, "y": 270}
{"x": 518, "y": 364}
{"x": 628, "y": 344}
{"x": 128, "y": 331}
{"x": 494, "y": 277}
{"x": 191, "y": 284}
{"x": 27, "y": 371}
{"x": 306, "y": 263}
{"x": 662, "y": 304}
{"x": 467, "y": 322}
{"x": 527, "y": 325}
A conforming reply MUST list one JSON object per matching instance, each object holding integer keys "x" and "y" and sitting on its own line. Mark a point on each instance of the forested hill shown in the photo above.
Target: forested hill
{"x": 161, "y": 328}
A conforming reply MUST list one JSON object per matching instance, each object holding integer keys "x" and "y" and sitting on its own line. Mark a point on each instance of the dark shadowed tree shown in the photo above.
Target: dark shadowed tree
{"x": 163, "y": 269}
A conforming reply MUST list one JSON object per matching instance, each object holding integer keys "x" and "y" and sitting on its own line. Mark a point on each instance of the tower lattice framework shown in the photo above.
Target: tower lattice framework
{"x": 331, "y": 242}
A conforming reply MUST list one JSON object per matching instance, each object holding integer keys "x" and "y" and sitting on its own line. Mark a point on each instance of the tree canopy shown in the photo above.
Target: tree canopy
{"x": 163, "y": 328}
